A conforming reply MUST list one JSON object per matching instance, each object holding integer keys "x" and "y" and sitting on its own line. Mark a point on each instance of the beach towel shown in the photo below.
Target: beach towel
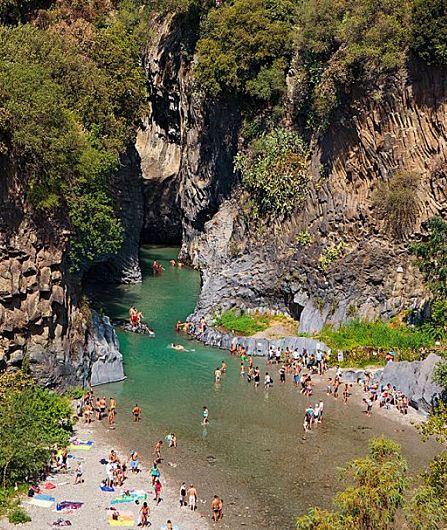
{"x": 68, "y": 505}
{"x": 42, "y": 500}
{"x": 106, "y": 488}
{"x": 135, "y": 495}
{"x": 49, "y": 486}
{"x": 81, "y": 445}
{"x": 124, "y": 519}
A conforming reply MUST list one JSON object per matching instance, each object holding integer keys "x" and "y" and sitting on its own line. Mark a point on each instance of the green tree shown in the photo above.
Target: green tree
{"x": 432, "y": 254}
{"x": 32, "y": 421}
{"x": 275, "y": 172}
{"x": 429, "y": 31}
{"x": 245, "y": 48}
{"x": 346, "y": 45}
{"x": 371, "y": 502}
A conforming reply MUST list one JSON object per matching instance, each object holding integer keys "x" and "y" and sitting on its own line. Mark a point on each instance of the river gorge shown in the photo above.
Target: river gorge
{"x": 253, "y": 454}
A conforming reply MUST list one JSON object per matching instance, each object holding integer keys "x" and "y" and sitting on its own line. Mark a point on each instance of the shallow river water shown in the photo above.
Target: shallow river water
{"x": 253, "y": 453}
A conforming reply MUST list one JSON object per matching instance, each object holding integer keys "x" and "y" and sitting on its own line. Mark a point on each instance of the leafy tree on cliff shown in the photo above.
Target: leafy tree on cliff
{"x": 245, "y": 47}
{"x": 429, "y": 31}
{"x": 71, "y": 93}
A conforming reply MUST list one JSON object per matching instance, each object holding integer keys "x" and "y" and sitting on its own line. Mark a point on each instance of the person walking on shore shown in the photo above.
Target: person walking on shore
{"x": 144, "y": 515}
{"x": 192, "y": 498}
{"x": 182, "y": 499}
{"x": 158, "y": 488}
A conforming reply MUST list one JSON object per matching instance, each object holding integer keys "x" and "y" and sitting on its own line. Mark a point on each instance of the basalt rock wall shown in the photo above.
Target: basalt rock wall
{"x": 373, "y": 275}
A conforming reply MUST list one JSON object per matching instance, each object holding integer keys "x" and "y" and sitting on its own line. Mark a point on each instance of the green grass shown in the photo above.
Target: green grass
{"x": 366, "y": 343}
{"x": 376, "y": 335}
{"x": 243, "y": 323}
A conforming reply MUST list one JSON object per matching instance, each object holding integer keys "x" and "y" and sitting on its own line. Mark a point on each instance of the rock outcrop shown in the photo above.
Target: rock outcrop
{"x": 103, "y": 351}
{"x": 415, "y": 380}
{"x": 257, "y": 346}
{"x": 372, "y": 275}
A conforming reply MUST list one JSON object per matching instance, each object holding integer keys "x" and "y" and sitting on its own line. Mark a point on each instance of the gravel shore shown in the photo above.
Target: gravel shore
{"x": 94, "y": 514}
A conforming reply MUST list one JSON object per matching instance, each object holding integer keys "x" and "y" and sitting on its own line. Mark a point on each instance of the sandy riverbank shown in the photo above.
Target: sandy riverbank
{"x": 94, "y": 514}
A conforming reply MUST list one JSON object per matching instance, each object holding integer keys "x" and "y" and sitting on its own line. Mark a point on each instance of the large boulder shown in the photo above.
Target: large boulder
{"x": 415, "y": 380}
{"x": 103, "y": 346}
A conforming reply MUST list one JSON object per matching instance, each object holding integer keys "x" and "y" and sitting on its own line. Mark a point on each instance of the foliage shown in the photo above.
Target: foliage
{"x": 376, "y": 335}
{"x": 275, "y": 172}
{"x": 378, "y": 482}
{"x": 330, "y": 254}
{"x": 397, "y": 201}
{"x": 18, "y": 516}
{"x": 32, "y": 421}
{"x": 342, "y": 44}
{"x": 429, "y": 31}
{"x": 71, "y": 91}
{"x": 243, "y": 323}
{"x": 245, "y": 47}
{"x": 303, "y": 238}
{"x": 436, "y": 425}
{"x": 432, "y": 254}
{"x": 440, "y": 374}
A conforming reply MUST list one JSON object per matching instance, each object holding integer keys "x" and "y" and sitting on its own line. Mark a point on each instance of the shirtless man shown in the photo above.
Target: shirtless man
{"x": 102, "y": 407}
{"x": 215, "y": 508}
{"x": 217, "y": 374}
{"x": 136, "y": 411}
{"x": 223, "y": 368}
{"x": 157, "y": 451}
{"x": 192, "y": 498}
{"x": 112, "y": 404}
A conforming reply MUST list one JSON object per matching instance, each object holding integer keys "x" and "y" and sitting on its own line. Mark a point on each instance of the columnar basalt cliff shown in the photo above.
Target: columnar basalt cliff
{"x": 373, "y": 276}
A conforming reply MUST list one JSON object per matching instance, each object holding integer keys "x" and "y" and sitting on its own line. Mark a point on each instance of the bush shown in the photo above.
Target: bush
{"x": 398, "y": 203}
{"x": 275, "y": 172}
{"x": 330, "y": 254}
{"x": 376, "y": 335}
{"x": 18, "y": 516}
{"x": 32, "y": 421}
{"x": 429, "y": 31}
{"x": 245, "y": 48}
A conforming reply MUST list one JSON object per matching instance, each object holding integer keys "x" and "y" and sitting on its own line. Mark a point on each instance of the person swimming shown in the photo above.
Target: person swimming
{"x": 177, "y": 347}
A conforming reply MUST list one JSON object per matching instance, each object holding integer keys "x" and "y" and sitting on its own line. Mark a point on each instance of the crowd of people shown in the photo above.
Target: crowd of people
{"x": 117, "y": 467}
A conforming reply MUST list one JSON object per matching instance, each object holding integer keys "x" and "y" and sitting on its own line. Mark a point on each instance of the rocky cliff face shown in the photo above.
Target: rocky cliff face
{"x": 373, "y": 275}
{"x": 43, "y": 323}
{"x": 186, "y": 146}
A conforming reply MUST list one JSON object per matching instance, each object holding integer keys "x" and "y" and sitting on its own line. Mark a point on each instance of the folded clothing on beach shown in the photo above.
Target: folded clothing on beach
{"x": 68, "y": 505}
{"x": 135, "y": 495}
{"x": 124, "y": 519}
{"x": 42, "y": 500}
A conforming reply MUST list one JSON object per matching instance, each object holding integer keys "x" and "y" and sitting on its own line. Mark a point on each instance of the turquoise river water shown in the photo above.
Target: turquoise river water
{"x": 253, "y": 453}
